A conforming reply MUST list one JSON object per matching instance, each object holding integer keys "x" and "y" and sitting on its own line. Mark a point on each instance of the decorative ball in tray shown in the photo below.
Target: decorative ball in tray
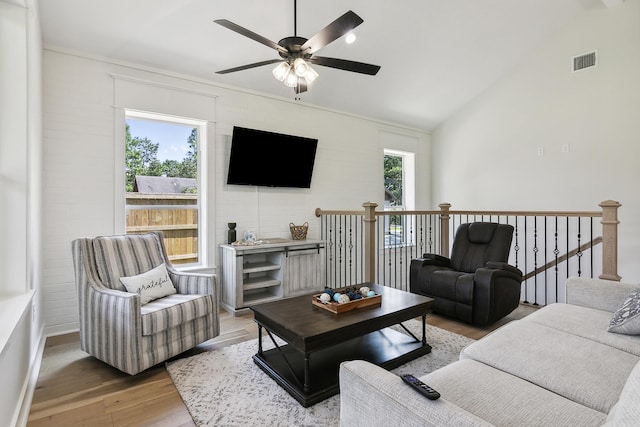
{"x": 346, "y": 299}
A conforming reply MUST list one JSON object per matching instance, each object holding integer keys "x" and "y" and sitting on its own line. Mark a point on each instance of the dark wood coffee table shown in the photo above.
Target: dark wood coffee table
{"x": 317, "y": 340}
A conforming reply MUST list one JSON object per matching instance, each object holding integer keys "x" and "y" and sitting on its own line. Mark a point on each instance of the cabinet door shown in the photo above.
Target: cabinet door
{"x": 230, "y": 273}
{"x": 303, "y": 272}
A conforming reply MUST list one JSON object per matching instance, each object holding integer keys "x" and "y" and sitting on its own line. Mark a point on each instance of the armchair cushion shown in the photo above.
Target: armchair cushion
{"x": 165, "y": 313}
{"x": 150, "y": 285}
{"x": 126, "y": 255}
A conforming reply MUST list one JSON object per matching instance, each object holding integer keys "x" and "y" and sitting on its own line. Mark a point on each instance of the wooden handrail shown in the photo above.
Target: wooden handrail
{"x": 563, "y": 258}
{"x": 596, "y": 214}
{"x": 319, "y": 212}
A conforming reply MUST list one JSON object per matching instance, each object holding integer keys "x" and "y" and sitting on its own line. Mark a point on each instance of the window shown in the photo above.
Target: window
{"x": 399, "y": 185}
{"x": 163, "y": 186}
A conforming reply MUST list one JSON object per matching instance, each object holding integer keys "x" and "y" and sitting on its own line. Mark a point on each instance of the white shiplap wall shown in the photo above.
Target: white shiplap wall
{"x": 80, "y": 170}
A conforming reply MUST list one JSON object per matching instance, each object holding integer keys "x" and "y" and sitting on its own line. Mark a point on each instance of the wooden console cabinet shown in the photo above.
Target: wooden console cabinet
{"x": 276, "y": 269}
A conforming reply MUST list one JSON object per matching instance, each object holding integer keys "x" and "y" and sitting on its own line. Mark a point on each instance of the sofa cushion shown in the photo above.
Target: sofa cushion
{"x": 150, "y": 285}
{"x": 626, "y": 320}
{"x": 585, "y": 322}
{"x": 372, "y": 396}
{"x": 173, "y": 310}
{"x": 565, "y": 364}
{"x": 626, "y": 412}
{"x": 506, "y": 400}
{"x": 604, "y": 295}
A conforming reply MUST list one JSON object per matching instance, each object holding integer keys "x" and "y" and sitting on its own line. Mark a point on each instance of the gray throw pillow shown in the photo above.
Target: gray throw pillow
{"x": 626, "y": 320}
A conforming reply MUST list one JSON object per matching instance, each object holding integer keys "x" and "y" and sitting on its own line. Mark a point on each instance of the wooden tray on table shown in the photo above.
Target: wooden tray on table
{"x": 337, "y": 308}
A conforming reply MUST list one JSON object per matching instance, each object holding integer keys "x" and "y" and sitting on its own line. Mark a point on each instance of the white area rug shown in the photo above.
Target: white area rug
{"x": 225, "y": 388}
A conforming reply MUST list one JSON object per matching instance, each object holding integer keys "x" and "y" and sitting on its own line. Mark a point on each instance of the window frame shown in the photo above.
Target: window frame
{"x": 202, "y": 172}
{"x": 408, "y": 192}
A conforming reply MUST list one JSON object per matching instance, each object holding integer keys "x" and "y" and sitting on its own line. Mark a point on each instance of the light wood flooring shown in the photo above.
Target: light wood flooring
{"x": 75, "y": 389}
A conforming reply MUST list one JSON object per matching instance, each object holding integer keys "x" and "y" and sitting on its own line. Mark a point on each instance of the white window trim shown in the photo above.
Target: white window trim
{"x": 408, "y": 185}
{"x": 408, "y": 177}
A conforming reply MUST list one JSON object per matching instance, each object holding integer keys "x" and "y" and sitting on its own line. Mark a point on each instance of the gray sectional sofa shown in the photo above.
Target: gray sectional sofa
{"x": 556, "y": 367}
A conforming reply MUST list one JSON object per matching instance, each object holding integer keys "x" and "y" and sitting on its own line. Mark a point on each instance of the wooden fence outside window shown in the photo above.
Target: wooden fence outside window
{"x": 176, "y": 215}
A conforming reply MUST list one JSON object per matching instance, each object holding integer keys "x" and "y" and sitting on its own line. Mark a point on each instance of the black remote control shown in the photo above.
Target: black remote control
{"x": 430, "y": 393}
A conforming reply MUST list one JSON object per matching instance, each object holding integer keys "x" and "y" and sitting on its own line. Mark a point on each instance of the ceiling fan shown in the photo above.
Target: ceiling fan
{"x": 296, "y": 53}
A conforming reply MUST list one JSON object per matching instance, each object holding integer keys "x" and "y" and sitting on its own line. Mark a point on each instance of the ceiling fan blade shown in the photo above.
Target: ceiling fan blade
{"x": 346, "y": 65}
{"x": 248, "y": 66}
{"x": 248, "y": 33}
{"x": 331, "y": 32}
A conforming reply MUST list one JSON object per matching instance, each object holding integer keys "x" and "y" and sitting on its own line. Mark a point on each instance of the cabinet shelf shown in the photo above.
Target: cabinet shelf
{"x": 256, "y": 267}
{"x": 259, "y": 282}
{"x": 260, "y": 297}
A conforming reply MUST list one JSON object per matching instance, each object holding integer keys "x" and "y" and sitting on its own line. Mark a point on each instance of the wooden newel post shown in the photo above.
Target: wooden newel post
{"x": 444, "y": 229}
{"x": 370, "y": 241}
{"x": 610, "y": 240}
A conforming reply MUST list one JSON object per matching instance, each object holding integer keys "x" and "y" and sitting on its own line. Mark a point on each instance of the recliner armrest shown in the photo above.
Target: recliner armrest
{"x": 417, "y": 265}
{"x": 504, "y": 266}
{"x": 434, "y": 259}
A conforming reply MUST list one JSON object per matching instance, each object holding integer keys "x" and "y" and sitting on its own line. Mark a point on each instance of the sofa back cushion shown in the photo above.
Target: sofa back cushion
{"x": 126, "y": 255}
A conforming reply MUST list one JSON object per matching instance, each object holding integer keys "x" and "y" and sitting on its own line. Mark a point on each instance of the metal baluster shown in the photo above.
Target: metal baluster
{"x": 579, "y": 254}
{"x": 567, "y": 248}
{"x": 591, "y": 240}
{"x": 556, "y": 251}
{"x": 535, "y": 260}
{"x": 526, "y": 298}
{"x": 331, "y": 248}
{"x": 546, "y": 284}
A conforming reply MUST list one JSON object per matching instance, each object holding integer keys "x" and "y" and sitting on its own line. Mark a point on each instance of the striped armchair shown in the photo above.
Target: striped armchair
{"x": 115, "y": 327}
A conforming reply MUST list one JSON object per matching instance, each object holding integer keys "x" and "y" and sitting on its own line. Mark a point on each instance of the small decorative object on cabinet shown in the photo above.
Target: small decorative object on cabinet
{"x": 250, "y": 236}
{"x": 275, "y": 269}
{"x": 299, "y": 232}
{"x": 231, "y": 232}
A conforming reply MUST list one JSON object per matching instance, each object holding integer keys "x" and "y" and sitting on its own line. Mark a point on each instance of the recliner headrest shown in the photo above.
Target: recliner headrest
{"x": 481, "y": 232}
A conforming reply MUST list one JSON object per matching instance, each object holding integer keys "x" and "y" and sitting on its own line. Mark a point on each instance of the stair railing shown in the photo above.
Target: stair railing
{"x": 548, "y": 246}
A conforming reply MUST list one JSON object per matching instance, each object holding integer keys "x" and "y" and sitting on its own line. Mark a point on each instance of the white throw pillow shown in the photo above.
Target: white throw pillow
{"x": 626, "y": 320}
{"x": 151, "y": 285}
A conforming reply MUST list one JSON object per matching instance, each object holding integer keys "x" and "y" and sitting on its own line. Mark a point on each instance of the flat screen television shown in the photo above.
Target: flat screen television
{"x": 270, "y": 159}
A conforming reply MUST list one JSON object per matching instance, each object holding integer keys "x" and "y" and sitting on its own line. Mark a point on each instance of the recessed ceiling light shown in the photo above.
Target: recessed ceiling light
{"x": 350, "y": 38}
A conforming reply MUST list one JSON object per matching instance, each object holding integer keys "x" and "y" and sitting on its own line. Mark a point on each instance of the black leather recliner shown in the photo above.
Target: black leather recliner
{"x": 476, "y": 285}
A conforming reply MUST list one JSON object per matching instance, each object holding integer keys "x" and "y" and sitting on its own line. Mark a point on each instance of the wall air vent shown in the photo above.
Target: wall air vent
{"x": 587, "y": 60}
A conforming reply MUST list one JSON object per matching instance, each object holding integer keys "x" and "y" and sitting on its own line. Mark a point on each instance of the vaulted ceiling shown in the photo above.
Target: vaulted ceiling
{"x": 436, "y": 55}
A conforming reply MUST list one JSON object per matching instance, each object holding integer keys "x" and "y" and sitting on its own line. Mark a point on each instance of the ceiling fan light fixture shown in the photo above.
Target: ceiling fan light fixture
{"x": 310, "y": 75}
{"x": 291, "y": 80}
{"x": 281, "y": 71}
{"x": 350, "y": 38}
{"x": 300, "y": 67}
